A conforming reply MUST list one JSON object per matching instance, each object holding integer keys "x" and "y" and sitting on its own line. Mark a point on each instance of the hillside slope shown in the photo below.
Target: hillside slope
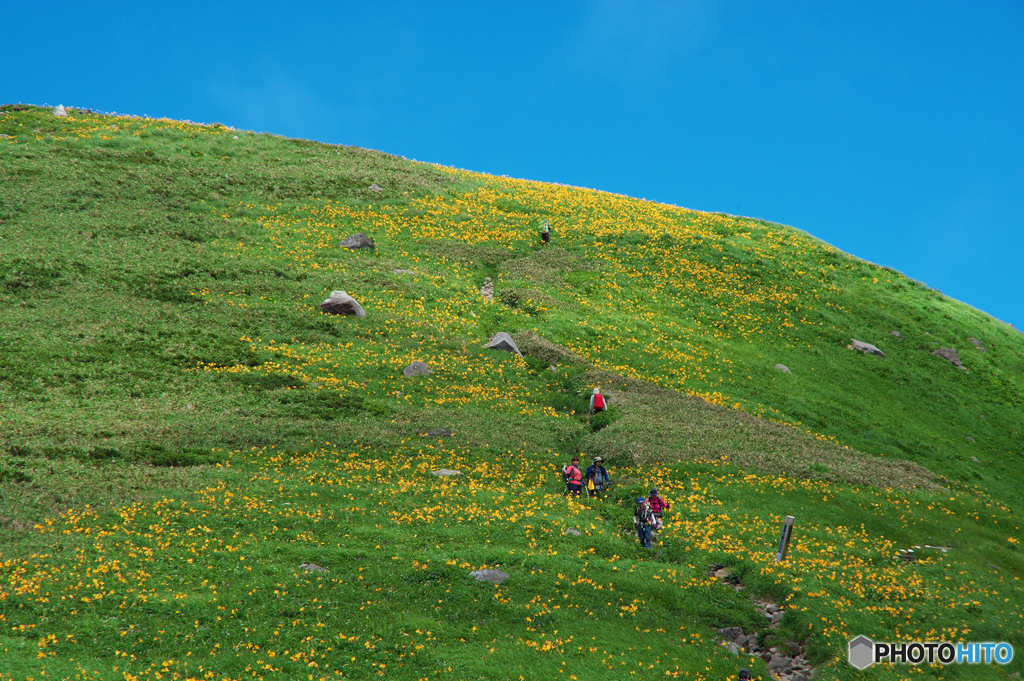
{"x": 167, "y": 376}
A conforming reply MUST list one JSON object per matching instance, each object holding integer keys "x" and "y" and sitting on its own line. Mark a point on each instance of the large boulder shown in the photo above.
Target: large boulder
{"x": 341, "y": 302}
{"x": 355, "y": 241}
{"x": 60, "y": 111}
{"x": 503, "y": 341}
{"x": 950, "y": 354}
{"x": 866, "y": 348}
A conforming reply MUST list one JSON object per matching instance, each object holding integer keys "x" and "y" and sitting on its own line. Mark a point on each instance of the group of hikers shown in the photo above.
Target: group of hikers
{"x": 647, "y": 518}
{"x": 650, "y": 510}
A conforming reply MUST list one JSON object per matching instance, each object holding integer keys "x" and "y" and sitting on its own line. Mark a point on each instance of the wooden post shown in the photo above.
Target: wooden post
{"x": 787, "y": 534}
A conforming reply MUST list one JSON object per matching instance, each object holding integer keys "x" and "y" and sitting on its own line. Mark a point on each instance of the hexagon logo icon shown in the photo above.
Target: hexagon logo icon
{"x": 862, "y": 651}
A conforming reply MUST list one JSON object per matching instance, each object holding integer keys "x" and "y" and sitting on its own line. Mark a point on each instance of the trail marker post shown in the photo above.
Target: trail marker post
{"x": 787, "y": 534}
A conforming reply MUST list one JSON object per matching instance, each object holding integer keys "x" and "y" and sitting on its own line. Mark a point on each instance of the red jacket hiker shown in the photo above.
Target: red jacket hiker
{"x": 658, "y": 505}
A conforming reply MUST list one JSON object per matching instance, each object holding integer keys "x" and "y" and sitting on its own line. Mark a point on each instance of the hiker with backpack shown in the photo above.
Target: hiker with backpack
{"x": 545, "y": 232}
{"x": 658, "y": 504}
{"x": 597, "y": 476}
{"x": 598, "y": 402}
{"x": 644, "y": 522}
{"x": 573, "y": 477}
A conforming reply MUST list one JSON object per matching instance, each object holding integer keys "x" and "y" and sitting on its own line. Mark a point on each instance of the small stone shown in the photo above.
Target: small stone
{"x": 733, "y": 648}
{"x": 977, "y": 343}
{"x": 866, "y": 348}
{"x": 783, "y": 368}
{"x": 975, "y": 459}
{"x": 358, "y": 240}
{"x": 771, "y": 609}
{"x": 235, "y": 137}
{"x": 376, "y": 187}
{"x": 492, "y": 576}
{"x": 723, "y": 573}
{"x": 446, "y": 472}
{"x": 993, "y": 567}
{"x": 312, "y": 567}
{"x": 59, "y": 110}
{"x": 487, "y": 290}
{"x": 950, "y": 354}
{"x": 403, "y": 271}
{"x": 730, "y": 633}
{"x": 970, "y": 439}
{"x": 777, "y": 617}
{"x": 417, "y": 368}
{"x": 780, "y": 664}
{"x": 572, "y": 531}
{"x": 896, "y": 333}
{"x": 439, "y": 433}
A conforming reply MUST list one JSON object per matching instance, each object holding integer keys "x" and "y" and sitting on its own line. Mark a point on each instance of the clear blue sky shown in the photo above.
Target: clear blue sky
{"x": 894, "y": 131}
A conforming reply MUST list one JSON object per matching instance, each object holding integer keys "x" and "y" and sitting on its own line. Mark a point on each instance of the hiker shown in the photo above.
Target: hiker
{"x": 598, "y": 403}
{"x": 545, "y": 232}
{"x": 658, "y": 504}
{"x": 597, "y": 476}
{"x": 644, "y": 522}
{"x": 572, "y": 476}
{"x": 744, "y": 675}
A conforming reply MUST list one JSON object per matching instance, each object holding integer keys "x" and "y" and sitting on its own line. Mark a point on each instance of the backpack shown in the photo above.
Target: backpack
{"x": 598, "y": 401}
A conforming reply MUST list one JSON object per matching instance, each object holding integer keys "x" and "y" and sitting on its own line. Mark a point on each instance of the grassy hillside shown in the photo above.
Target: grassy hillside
{"x": 182, "y": 428}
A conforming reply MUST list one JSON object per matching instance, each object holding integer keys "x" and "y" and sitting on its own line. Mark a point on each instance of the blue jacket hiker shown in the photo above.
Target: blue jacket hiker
{"x": 596, "y": 476}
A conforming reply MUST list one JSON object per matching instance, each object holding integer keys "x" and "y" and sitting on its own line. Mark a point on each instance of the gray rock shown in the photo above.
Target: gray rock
{"x": 492, "y": 576}
{"x": 724, "y": 573}
{"x": 503, "y": 341}
{"x": 312, "y": 567}
{"x": 376, "y": 187}
{"x": 950, "y": 354}
{"x": 798, "y": 676}
{"x": 975, "y": 459}
{"x": 746, "y": 643}
{"x": 794, "y": 648}
{"x": 403, "y": 271}
{"x": 446, "y": 472}
{"x": 440, "y": 432}
{"x": 355, "y": 241}
{"x": 977, "y": 343}
{"x": 970, "y": 439}
{"x": 780, "y": 664}
{"x": 896, "y": 333}
{"x": 417, "y": 368}
{"x": 733, "y": 648}
{"x": 572, "y": 531}
{"x": 783, "y": 368}
{"x": 771, "y": 609}
{"x": 730, "y": 633}
{"x": 777, "y": 617}
{"x": 59, "y": 111}
{"x": 340, "y": 302}
{"x": 866, "y": 348}
{"x": 487, "y": 290}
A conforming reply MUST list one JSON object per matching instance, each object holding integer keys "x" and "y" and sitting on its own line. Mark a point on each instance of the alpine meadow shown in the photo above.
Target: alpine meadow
{"x": 204, "y": 476}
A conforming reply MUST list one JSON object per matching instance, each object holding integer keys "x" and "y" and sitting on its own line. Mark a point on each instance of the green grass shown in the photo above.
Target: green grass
{"x": 182, "y": 428}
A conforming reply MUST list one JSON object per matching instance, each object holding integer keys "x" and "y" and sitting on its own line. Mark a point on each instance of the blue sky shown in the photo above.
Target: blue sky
{"x": 894, "y": 131}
